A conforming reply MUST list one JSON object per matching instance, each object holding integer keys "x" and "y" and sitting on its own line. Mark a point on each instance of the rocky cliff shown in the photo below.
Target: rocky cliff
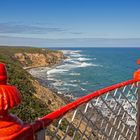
{"x": 41, "y": 59}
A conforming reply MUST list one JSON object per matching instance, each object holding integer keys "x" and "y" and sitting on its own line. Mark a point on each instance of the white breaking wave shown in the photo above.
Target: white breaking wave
{"x": 83, "y": 89}
{"x": 67, "y": 84}
{"x": 68, "y": 60}
{"x": 85, "y": 83}
{"x": 55, "y": 70}
{"x": 57, "y": 84}
{"x": 71, "y": 52}
{"x": 84, "y": 64}
{"x": 83, "y": 59}
{"x": 74, "y": 64}
{"x": 75, "y": 60}
{"x": 75, "y": 81}
{"x": 76, "y": 55}
{"x": 63, "y": 89}
{"x": 51, "y": 79}
{"x": 74, "y": 74}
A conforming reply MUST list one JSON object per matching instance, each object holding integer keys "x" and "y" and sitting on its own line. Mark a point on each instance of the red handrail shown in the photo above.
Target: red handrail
{"x": 39, "y": 124}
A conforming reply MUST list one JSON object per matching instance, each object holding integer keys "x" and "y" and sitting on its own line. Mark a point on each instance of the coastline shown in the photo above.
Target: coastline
{"x": 49, "y": 76}
{"x": 41, "y": 60}
{"x": 46, "y": 82}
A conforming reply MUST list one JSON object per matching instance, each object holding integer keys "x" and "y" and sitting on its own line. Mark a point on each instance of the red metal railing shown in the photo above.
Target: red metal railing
{"x": 109, "y": 113}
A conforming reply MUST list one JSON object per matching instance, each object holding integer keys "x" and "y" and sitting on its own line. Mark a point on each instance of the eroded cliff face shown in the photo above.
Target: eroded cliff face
{"x": 39, "y": 59}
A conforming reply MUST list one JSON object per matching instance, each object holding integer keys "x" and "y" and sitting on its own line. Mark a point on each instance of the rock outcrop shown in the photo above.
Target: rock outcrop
{"x": 43, "y": 59}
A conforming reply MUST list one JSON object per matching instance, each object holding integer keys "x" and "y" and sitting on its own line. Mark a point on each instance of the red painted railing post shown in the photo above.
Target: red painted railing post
{"x": 9, "y": 98}
{"x": 137, "y": 77}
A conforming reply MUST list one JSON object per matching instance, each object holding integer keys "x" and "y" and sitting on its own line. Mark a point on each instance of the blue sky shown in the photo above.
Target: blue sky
{"x": 69, "y": 22}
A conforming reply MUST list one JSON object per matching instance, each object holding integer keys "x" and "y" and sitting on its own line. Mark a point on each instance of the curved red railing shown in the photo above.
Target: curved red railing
{"x": 46, "y": 120}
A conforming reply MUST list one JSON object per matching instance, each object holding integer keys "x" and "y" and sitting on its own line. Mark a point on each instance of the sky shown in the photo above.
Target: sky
{"x": 60, "y": 23}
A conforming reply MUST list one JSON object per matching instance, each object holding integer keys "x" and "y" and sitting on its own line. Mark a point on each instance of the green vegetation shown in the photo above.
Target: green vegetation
{"x": 31, "y": 107}
{"x": 63, "y": 127}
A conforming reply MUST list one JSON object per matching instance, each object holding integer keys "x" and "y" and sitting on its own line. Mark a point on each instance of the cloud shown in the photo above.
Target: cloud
{"x": 19, "y": 28}
{"x": 28, "y": 29}
{"x": 76, "y": 33}
{"x": 70, "y": 42}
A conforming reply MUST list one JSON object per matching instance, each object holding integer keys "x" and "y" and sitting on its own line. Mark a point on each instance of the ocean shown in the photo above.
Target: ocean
{"x": 88, "y": 69}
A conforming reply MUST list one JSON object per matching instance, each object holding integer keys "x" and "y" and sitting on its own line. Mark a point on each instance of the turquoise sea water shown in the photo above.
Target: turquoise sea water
{"x": 89, "y": 69}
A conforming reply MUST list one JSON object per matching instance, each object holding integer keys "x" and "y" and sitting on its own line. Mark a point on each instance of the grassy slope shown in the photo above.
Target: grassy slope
{"x": 31, "y": 106}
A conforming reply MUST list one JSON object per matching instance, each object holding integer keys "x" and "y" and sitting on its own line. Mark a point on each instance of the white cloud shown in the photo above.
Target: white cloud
{"x": 71, "y": 42}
